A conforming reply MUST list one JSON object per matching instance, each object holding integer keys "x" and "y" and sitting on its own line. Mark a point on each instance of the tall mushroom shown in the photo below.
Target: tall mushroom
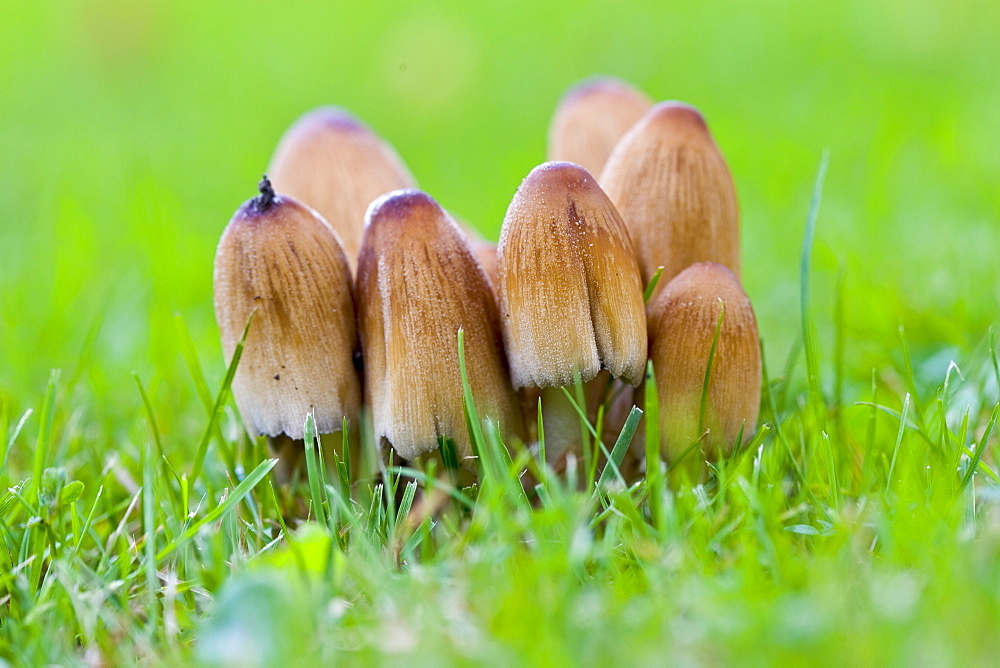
{"x": 334, "y": 163}
{"x": 682, "y": 325}
{"x": 672, "y": 186}
{"x": 591, "y": 118}
{"x": 570, "y": 292}
{"x": 418, "y": 284}
{"x": 279, "y": 260}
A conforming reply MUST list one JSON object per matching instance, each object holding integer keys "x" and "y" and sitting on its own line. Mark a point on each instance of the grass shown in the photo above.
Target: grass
{"x": 137, "y": 521}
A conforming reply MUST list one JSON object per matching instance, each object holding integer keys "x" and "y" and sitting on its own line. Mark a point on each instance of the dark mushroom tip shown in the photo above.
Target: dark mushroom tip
{"x": 265, "y": 200}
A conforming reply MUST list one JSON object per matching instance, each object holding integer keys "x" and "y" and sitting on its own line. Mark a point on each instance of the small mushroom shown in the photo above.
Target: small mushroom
{"x": 591, "y": 118}
{"x": 418, "y": 284}
{"x": 682, "y": 325}
{"x": 674, "y": 191}
{"x": 279, "y": 260}
{"x": 334, "y": 163}
{"x": 570, "y": 293}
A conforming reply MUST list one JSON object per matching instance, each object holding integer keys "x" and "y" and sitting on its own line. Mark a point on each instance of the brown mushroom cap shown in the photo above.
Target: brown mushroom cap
{"x": 570, "y": 292}
{"x": 279, "y": 258}
{"x": 673, "y": 189}
{"x": 334, "y": 163}
{"x": 418, "y": 283}
{"x": 682, "y": 324}
{"x": 591, "y": 118}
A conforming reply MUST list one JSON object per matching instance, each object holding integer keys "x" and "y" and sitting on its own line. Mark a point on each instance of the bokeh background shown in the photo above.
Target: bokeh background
{"x": 130, "y": 132}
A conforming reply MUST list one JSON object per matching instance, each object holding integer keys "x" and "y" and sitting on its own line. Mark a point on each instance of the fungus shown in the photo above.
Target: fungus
{"x": 418, "y": 284}
{"x": 591, "y": 118}
{"x": 278, "y": 258}
{"x": 682, "y": 327}
{"x": 672, "y": 187}
{"x": 334, "y": 163}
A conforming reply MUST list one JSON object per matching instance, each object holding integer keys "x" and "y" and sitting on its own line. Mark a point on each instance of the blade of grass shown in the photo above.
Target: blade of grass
{"x": 240, "y": 491}
{"x": 613, "y": 468}
{"x": 149, "y": 528}
{"x": 808, "y": 330}
{"x": 12, "y": 437}
{"x": 44, "y": 434}
{"x": 706, "y": 383}
{"x": 651, "y": 286}
{"x": 312, "y": 469}
{"x": 654, "y": 474}
{"x": 473, "y": 424}
{"x": 980, "y": 449}
{"x": 541, "y": 435}
{"x": 899, "y": 441}
{"x": 220, "y": 399}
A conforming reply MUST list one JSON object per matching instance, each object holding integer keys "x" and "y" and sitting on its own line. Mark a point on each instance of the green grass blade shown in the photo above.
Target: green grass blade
{"x": 44, "y": 434}
{"x": 240, "y": 491}
{"x": 311, "y": 439}
{"x": 149, "y": 528}
{"x": 651, "y": 286}
{"x": 899, "y": 441}
{"x": 612, "y": 469}
{"x": 981, "y": 448}
{"x": 542, "y": 458}
{"x": 654, "y": 472}
{"x": 706, "y": 383}
{"x": 805, "y": 264}
{"x": 220, "y": 400}
{"x": 473, "y": 424}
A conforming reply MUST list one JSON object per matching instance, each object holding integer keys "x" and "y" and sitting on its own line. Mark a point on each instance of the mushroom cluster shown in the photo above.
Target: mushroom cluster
{"x": 358, "y": 284}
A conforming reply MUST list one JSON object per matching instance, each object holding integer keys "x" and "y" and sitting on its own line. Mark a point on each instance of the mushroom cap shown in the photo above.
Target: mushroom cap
{"x": 418, "y": 284}
{"x": 334, "y": 163}
{"x": 570, "y": 291}
{"x": 590, "y": 119}
{"x": 279, "y": 259}
{"x": 673, "y": 189}
{"x": 682, "y": 324}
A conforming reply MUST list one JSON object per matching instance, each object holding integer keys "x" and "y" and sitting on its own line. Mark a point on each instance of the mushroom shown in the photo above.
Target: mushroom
{"x": 279, "y": 260}
{"x": 337, "y": 165}
{"x": 591, "y": 118}
{"x": 674, "y": 191}
{"x": 419, "y": 283}
{"x": 570, "y": 292}
{"x": 682, "y": 326}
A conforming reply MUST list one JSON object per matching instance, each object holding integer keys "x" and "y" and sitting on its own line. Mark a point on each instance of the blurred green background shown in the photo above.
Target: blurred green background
{"x": 129, "y": 132}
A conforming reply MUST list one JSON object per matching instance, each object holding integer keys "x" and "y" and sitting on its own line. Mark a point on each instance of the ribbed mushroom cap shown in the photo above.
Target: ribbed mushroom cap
{"x": 337, "y": 165}
{"x": 591, "y": 118}
{"x": 682, "y": 323}
{"x": 674, "y": 191}
{"x": 418, "y": 283}
{"x": 278, "y": 257}
{"x": 570, "y": 293}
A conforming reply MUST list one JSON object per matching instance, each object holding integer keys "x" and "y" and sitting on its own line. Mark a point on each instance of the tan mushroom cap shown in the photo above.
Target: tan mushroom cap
{"x": 279, "y": 258}
{"x": 673, "y": 189}
{"x": 591, "y": 118}
{"x": 682, "y": 324}
{"x": 334, "y": 163}
{"x": 418, "y": 284}
{"x": 570, "y": 292}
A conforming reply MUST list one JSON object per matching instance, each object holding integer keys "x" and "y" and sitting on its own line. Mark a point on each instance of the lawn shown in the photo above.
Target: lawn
{"x": 139, "y": 523}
